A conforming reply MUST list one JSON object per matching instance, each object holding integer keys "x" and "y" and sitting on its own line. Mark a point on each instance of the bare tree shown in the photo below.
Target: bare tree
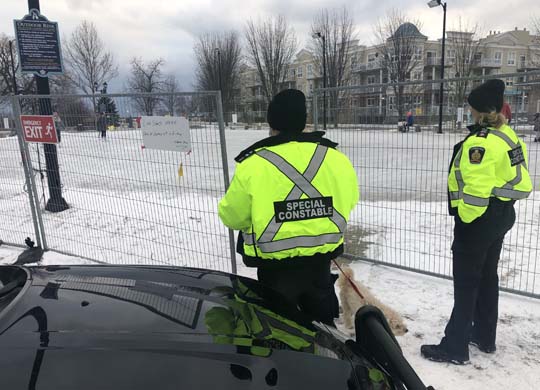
{"x": 399, "y": 38}
{"x": 87, "y": 59}
{"x": 25, "y": 83}
{"x": 462, "y": 41}
{"x": 535, "y": 54}
{"x": 146, "y": 78}
{"x": 218, "y": 64}
{"x": 171, "y": 100}
{"x": 337, "y": 27}
{"x": 271, "y": 46}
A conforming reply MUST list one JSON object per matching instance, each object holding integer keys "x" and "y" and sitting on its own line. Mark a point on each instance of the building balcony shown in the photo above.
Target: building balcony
{"x": 436, "y": 61}
{"x": 527, "y": 65}
{"x": 370, "y": 66}
{"x": 487, "y": 63}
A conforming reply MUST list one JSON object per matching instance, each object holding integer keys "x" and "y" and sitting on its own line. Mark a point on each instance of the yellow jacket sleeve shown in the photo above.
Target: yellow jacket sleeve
{"x": 354, "y": 187}
{"x": 235, "y": 208}
{"x": 477, "y": 167}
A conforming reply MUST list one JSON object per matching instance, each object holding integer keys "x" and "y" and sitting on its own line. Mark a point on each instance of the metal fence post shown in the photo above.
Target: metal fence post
{"x": 225, "y": 164}
{"x": 30, "y": 182}
{"x": 315, "y": 111}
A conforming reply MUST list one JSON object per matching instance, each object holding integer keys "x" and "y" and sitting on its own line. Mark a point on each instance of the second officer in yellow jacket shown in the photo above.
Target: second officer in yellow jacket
{"x": 488, "y": 174}
{"x": 291, "y": 197}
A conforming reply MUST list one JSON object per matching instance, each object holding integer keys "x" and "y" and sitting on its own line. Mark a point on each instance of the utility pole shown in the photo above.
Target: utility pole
{"x": 56, "y": 202}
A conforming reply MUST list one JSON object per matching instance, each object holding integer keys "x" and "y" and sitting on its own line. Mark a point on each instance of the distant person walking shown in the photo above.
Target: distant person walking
{"x": 536, "y": 122}
{"x": 102, "y": 125}
{"x": 410, "y": 120}
{"x": 59, "y": 125}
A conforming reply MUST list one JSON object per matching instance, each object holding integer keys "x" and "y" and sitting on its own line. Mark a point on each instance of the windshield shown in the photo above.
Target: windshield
{"x": 12, "y": 280}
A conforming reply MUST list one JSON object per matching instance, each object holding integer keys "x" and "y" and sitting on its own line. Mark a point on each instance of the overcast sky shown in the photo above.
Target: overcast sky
{"x": 168, "y": 28}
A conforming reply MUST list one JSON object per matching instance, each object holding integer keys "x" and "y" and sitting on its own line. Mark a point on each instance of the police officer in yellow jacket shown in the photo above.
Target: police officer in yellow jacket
{"x": 291, "y": 197}
{"x": 488, "y": 173}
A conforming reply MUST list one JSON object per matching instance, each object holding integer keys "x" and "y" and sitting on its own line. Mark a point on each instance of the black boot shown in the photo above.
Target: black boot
{"x": 438, "y": 353}
{"x": 482, "y": 347}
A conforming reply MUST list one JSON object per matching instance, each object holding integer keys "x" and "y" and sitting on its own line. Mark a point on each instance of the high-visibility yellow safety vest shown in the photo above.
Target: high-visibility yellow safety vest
{"x": 291, "y": 200}
{"x": 490, "y": 163}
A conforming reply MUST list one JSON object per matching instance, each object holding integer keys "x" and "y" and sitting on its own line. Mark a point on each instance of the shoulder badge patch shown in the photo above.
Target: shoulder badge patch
{"x": 476, "y": 154}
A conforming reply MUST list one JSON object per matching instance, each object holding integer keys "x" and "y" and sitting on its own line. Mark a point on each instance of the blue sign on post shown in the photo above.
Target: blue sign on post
{"x": 38, "y": 44}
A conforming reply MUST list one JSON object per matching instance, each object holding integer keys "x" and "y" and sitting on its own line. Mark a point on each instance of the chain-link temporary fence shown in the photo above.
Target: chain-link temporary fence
{"x": 391, "y": 134}
{"x": 131, "y": 203}
{"x": 17, "y": 204}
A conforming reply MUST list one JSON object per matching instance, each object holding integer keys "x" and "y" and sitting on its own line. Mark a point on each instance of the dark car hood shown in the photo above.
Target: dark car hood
{"x": 138, "y": 327}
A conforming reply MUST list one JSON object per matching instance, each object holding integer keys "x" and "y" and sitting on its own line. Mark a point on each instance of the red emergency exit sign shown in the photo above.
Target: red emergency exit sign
{"x": 39, "y": 128}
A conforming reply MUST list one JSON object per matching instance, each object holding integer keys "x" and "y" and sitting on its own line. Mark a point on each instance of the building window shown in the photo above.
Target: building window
{"x": 512, "y": 59}
{"x": 371, "y": 79}
{"x": 370, "y": 102}
{"x": 498, "y": 57}
{"x": 300, "y": 72}
{"x": 509, "y": 81}
{"x": 391, "y": 102}
{"x": 310, "y": 70}
{"x": 418, "y": 53}
{"x": 451, "y": 53}
{"x": 418, "y": 100}
{"x": 371, "y": 58}
{"x": 417, "y": 75}
{"x": 293, "y": 73}
{"x": 522, "y": 61}
{"x": 310, "y": 88}
{"x": 354, "y": 61}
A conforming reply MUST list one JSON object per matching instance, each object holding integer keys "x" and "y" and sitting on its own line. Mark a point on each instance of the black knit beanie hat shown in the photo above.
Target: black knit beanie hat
{"x": 488, "y": 97}
{"x": 287, "y": 112}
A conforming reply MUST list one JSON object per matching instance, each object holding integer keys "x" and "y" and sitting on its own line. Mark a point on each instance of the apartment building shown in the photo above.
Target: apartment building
{"x": 498, "y": 53}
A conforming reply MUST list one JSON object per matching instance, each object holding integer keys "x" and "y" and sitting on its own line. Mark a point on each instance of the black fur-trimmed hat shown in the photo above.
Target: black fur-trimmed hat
{"x": 488, "y": 97}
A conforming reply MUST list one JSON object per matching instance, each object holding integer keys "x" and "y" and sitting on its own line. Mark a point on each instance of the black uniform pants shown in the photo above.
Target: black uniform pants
{"x": 310, "y": 287}
{"x": 476, "y": 251}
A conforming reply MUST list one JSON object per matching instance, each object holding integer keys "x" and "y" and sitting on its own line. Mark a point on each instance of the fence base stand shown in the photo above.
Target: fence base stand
{"x": 29, "y": 256}
{"x": 56, "y": 205}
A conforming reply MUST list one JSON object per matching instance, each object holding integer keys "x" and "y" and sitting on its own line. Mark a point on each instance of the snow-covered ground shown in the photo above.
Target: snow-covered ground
{"x": 129, "y": 204}
{"x": 426, "y": 302}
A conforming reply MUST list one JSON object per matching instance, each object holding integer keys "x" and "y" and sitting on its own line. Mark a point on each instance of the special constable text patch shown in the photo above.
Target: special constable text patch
{"x": 302, "y": 209}
{"x": 516, "y": 156}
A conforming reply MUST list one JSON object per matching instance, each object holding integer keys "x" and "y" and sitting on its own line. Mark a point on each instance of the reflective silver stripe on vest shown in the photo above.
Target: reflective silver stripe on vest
{"x": 302, "y": 185}
{"x": 314, "y": 165}
{"x": 511, "y": 194}
{"x": 509, "y": 142}
{"x": 507, "y": 191}
{"x": 295, "y": 242}
{"x": 475, "y": 200}
{"x": 454, "y": 195}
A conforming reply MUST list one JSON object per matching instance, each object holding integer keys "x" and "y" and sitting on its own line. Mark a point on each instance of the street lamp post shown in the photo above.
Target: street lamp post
{"x": 432, "y": 4}
{"x": 319, "y": 35}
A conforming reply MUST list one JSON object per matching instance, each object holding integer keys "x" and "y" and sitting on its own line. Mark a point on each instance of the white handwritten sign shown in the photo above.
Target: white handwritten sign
{"x": 166, "y": 133}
